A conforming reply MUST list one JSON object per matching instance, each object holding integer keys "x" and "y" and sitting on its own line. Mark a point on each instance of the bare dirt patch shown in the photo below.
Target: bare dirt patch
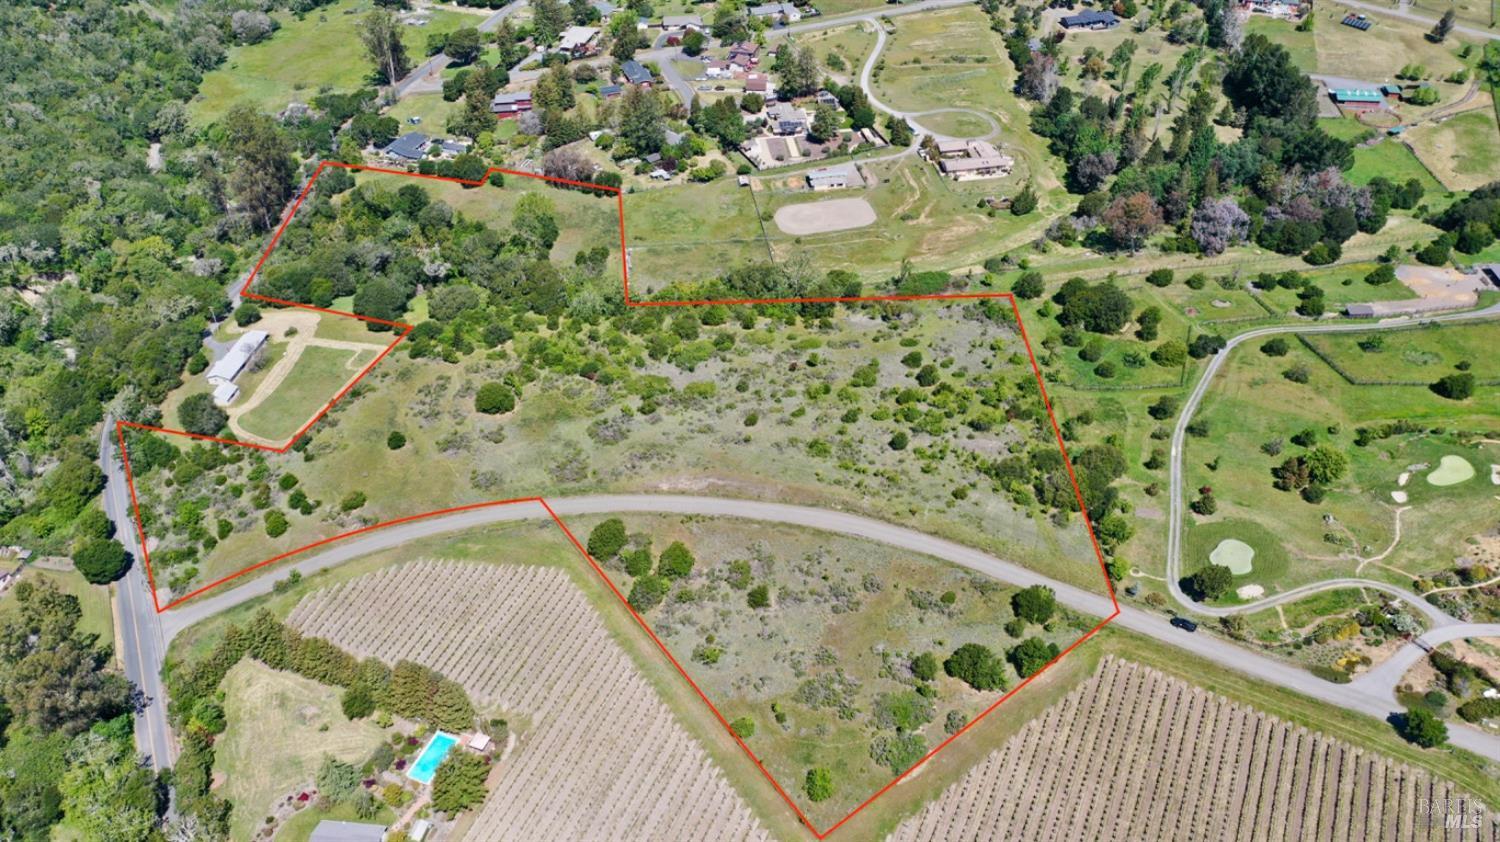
{"x": 825, "y": 216}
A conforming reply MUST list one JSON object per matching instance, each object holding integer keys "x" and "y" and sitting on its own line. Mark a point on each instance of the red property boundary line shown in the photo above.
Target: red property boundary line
{"x": 405, "y": 330}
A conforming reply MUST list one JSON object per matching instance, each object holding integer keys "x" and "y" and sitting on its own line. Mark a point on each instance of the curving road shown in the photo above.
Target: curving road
{"x": 1363, "y": 698}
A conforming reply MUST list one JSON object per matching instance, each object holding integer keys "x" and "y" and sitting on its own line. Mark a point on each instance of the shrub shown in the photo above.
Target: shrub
{"x": 955, "y": 721}
{"x": 1029, "y": 285}
{"x": 899, "y": 440}
{"x": 676, "y": 562}
{"x": 353, "y": 500}
{"x": 101, "y": 560}
{"x": 395, "y": 441}
{"x": 1105, "y": 370}
{"x": 1455, "y": 387}
{"x": 744, "y": 727}
{"x": 358, "y": 702}
{"x": 1160, "y": 277}
{"x": 975, "y": 665}
{"x": 648, "y": 592}
{"x": 1420, "y": 726}
{"x": 925, "y": 666}
{"x": 246, "y": 314}
{"x": 1479, "y": 710}
{"x": 638, "y": 562}
{"x": 1170, "y": 353}
{"x": 1275, "y": 347}
{"x": 1030, "y": 655}
{"x": 607, "y": 539}
{"x": 758, "y": 597}
{"x": 494, "y": 398}
{"x": 1297, "y": 373}
{"x": 458, "y": 783}
{"x": 1034, "y": 604}
{"x": 819, "y": 784}
{"x": 276, "y": 524}
{"x": 1164, "y": 407}
{"x": 1382, "y": 274}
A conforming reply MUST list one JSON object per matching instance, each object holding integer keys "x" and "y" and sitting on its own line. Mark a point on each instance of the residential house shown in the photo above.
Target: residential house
{"x": 787, "y": 119}
{"x": 828, "y": 99}
{"x": 758, "y": 83}
{"x": 449, "y": 147}
{"x": 610, "y": 91}
{"x": 579, "y": 41}
{"x": 225, "y": 393}
{"x": 1091, "y": 19}
{"x": 510, "y": 104}
{"x": 718, "y": 69}
{"x": 777, "y": 12}
{"x": 968, "y": 160}
{"x": 746, "y": 55}
{"x": 673, "y": 138}
{"x": 232, "y": 363}
{"x": 682, "y": 23}
{"x": 636, "y": 73}
{"x": 605, "y": 9}
{"x": 411, "y": 146}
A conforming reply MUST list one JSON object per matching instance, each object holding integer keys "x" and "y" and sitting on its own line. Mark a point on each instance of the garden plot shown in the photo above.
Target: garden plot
{"x": 603, "y": 757}
{"x": 1135, "y": 754}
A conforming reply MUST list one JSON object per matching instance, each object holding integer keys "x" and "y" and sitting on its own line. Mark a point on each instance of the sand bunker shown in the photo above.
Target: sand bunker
{"x": 1249, "y": 591}
{"x": 825, "y": 216}
{"x": 1494, "y": 474}
{"x": 1452, "y": 470}
{"x": 1398, "y": 496}
{"x": 1401, "y": 480}
{"x": 1233, "y": 554}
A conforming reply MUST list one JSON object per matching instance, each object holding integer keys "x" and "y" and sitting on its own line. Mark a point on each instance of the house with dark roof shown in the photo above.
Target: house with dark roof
{"x": 636, "y": 73}
{"x": 605, "y": 9}
{"x": 610, "y": 91}
{"x": 788, "y": 119}
{"x": 411, "y": 146}
{"x": 1091, "y": 19}
{"x": 510, "y": 104}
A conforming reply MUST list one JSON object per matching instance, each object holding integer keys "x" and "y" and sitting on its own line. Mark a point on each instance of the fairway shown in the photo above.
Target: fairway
{"x": 314, "y": 377}
{"x": 1452, "y": 470}
{"x": 1233, "y": 554}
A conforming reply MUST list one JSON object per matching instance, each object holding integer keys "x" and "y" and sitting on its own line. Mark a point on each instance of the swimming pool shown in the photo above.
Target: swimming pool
{"x": 431, "y": 757}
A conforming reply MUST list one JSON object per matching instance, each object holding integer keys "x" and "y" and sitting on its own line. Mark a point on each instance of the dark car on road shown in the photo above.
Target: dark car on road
{"x": 1185, "y": 624}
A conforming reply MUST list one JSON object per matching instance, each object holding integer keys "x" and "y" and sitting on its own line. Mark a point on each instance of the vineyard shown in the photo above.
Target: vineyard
{"x": 602, "y": 757}
{"x": 1135, "y": 754}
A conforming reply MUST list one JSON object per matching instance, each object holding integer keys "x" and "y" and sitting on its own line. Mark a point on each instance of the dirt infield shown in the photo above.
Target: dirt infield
{"x": 825, "y": 216}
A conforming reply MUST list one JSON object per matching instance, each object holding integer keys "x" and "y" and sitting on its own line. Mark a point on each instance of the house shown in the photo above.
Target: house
{"x": 510, "y": 104}
{"x": 718, "y": 70}
{"x": 605, "y": 9}
{"x": 411, "y": 146}
{"x": 1091, "y": 19}
{"x": 776, "y": 12}
{"x": 225, "y": 393}
{"x": 1359, "y": 22}
{"x": 610, "y": 91}
{"x": 1359, "y": 311}
{"x": 828, "y": 178}
{"x": 758, "y": 83}
{"x": 787, "y": 119}
{"x": 580, "y": 41}
{"x": 1358, "y": 99}
{"x": 967, "y": 160}
{"x": 332, "y": 831}
{"x": 745, "y": 54}
{"x": 682, "y": 23}
{"x": 451, "y": 146}
{"x": 636, "y": 73}
{"x": 231, "y": 364}
{"x": 828, "y": 99}
{"x": 744, "y": 181}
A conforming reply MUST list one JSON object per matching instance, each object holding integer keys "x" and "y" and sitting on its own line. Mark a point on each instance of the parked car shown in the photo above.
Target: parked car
{"x": 1185, "y": 624}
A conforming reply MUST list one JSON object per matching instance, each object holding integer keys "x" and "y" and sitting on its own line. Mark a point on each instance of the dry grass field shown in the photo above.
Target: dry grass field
{"x": 1136, "y": 754}
{"x": 599, "y": 756}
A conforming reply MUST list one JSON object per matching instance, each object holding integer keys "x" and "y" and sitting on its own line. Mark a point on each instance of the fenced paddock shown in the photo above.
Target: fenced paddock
{"x": 1136, "y": 754}
{"x": 603, "y": 758}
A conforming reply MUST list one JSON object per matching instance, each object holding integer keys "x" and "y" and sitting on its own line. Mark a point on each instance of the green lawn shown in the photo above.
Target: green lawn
{"x": 319, "y": 374}
{"x": 1463, "y": 151}
{"x": 431, "y": 109}
{"x": 1268, "y": 567}
{"x": 317, "y": 52}
{"x": 1395, "y": 161}
{"x": 1299, "y": 44}
{"x": 97, "y": 618}
{"x": 1421, "y": 355}
{"x": 280, "y": 726}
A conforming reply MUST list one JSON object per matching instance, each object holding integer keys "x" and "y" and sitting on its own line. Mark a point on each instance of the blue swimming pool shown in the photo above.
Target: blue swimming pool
{"x": 431, "y": 757}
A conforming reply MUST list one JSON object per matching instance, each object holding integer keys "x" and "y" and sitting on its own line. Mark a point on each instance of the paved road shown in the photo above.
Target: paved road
{"x": 1179, "y": 435}
{"x": 1094, "y": 603}
{"x": 865, "y": 80}
{"x": 1424, "y": 20}
{"x": 1382, "y": 679}
{"x": 428, "y": 76}
{"x": 142, "y": 645}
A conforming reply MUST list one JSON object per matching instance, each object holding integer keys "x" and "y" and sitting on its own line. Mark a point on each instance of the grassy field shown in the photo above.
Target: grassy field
{"x": 1301, "y": 45}
{"x": 1422, "y": 354}
{"x": 319, "y": 374}
{"x": 430, "y": 109}
{"x": 317, "y": 52}
{"x": 97, "y": 618}
{"x": 852, "y": 45}
{"x": 1268, "y": 567}
{"x": 1481, "y": 14}
{"x": 280, "y": 726}
{"x": 1254, "y": 403}
{"x": 1377, "y": 54}
{"x": 1394, "y": 160}
{"x": 1464, "y": 151}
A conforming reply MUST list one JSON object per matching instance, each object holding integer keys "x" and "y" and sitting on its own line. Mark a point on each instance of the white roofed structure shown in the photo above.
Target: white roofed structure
{"x": 231, "y": 364}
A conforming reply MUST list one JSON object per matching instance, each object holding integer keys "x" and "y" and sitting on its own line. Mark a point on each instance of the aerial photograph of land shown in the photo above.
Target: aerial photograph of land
{"x": 926, "y": 421}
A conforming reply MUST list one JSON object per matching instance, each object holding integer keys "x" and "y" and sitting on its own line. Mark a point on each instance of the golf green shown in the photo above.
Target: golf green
{"x": 1233, "y": 554}
{"x": 1452, "y": 470}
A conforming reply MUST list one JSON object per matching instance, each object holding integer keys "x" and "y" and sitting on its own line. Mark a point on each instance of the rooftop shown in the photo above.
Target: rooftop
{"x": 635, "y": 72}
{"x": 578, "y": 36}
{"x": 411, "y": 146}
{"x": 1090, "y": 17}
{"x": 333, "y": 831}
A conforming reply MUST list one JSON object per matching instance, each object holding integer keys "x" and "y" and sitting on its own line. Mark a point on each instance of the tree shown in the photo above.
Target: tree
{"x": 1034, "y": 604}
{"x": 796, "y": 70}
{"x": 276, "y": 523}
{"x": 1165, "y": 406}
{"x": 106, "y": 794}
{"x": 1219, "y": 223}
{"x": 758, "y": 597}
{"x": 381, "y": 35}
{"x": 1262, "y": 80}
{"x": 607, "y": 539}
{"x": 1130, "y": 219}
{"x": 1030, "y": 285}
{"x": 396, "y": 440}
{"x": 1275, "y": 347}
{"x": 1030, "y": 655}
{"x": 898, "y": 131}
{"x": 977, "y": 666}
{"x": 264, "y": 171}
{"x": 199, "y": 415}
{"x": 1456, "y": 387}
{"x": 818, "y": 784}
{"x": 924, "y": 666}
{"x": 642, "y": 122}
{"x": 825, "y": 124}
{"x": 1024, "y": 202}
{"x": 693, "y": 42}
{"x": 101, "y": 560}
{"x": 743, "y": 727}
{"x": 1210, "y": 582}
{"x": 1440, "y": 30}
{"x": 458, "y": 783}
{"x": 1420, "y": 726}
{"x": 494, "y": 398}
{"x": 336, "y": 779}
{"x": 1325, "y": 465}
{"x": 627, "y": 38}
{"x": 357, "y": 702}
{"x": 549, "y": 19}
{"x": 463, "y": 45}
{"x": 1098, "y": 308}
{"x": 676, "y": 562}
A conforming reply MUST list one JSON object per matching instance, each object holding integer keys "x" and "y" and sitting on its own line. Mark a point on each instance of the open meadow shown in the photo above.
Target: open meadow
{"x": 312, "y": 53}
{"x": 1464, "y": 151}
